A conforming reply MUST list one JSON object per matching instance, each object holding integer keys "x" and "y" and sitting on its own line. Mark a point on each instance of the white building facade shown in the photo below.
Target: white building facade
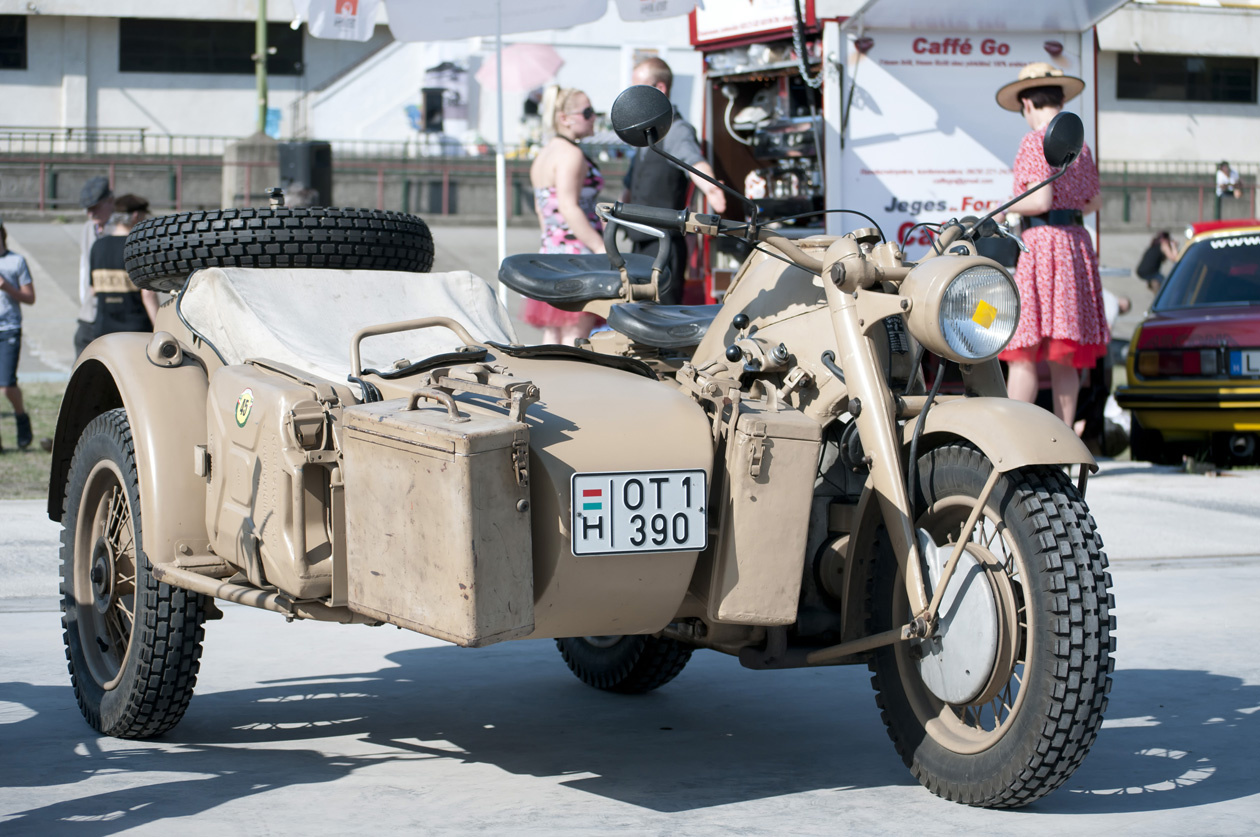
{"x": 1176, "y": 80}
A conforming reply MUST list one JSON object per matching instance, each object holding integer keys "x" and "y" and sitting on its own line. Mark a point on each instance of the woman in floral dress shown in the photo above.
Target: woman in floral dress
{"x": 566, "y": 185}
{"x": 1062, "y": 319}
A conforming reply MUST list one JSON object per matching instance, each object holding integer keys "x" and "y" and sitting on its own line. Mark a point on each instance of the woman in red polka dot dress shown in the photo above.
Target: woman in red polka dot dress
{"x": 1062, "y": 319}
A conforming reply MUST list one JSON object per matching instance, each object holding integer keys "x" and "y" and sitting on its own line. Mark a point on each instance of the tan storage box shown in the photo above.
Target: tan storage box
{"x": 771, "y": 462}
{"x": 437, "y": 520}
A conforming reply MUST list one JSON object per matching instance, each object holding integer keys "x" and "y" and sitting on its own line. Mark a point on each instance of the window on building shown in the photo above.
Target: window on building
{"x": 12, "y": 42}
{"x": 1186, "y": 78}
{"x": 204, "y": 46}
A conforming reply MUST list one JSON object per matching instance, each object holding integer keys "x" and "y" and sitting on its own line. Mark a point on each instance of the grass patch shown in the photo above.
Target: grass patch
{"x": 24, "y": 473}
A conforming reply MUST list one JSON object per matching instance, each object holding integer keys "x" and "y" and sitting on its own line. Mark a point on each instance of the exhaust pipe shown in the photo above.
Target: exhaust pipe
{"x": 1242, "y": 445}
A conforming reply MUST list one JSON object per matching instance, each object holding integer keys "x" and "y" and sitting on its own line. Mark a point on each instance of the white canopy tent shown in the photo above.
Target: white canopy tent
{"x": 984, "y": 15}
{"x": 439, "y": 20}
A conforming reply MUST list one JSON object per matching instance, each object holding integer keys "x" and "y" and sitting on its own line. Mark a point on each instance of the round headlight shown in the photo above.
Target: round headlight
{"x": 979, "y": 312}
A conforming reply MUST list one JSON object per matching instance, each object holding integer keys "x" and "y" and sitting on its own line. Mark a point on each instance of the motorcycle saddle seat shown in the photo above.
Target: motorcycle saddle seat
{"x": 662, "y": 326}
{"x": 564, "y": 279}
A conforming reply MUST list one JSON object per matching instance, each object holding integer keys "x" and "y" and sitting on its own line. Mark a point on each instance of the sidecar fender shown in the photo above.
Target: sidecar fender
{"x": 166, "y": 408}
{"x": 1010, "y": 433}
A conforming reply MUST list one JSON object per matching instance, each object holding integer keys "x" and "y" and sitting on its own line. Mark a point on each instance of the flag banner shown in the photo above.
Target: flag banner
{"x": 342, "y": 20}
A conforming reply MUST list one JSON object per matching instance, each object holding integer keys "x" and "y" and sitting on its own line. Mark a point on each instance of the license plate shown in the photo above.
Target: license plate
{"x": 1244, "y": 363}
{"x": 615, "y": 513}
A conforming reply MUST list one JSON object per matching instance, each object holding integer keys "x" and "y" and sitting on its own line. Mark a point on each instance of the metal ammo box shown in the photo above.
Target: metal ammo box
{"x": 437, "y": 518}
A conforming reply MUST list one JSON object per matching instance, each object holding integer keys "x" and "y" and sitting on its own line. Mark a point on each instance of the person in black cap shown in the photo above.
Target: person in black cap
{"x": 120, "y": 305}
{"x": 16, "y": 289}
{"x": 97, "y": 198}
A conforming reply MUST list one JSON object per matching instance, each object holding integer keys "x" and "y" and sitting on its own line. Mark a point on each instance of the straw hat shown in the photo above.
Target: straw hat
{"x": 1038, "y": 74}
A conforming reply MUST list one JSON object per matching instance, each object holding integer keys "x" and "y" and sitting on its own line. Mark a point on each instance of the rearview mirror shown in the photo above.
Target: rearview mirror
{"x": 642, "y": 115}
{"x": 1064, "y": 137}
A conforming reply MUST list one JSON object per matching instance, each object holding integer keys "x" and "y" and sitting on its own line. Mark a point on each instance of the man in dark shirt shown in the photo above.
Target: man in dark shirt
{"x": 120, "y": 305}
{"x": 1161, "y": 249}
{"x": 655, "y": 181}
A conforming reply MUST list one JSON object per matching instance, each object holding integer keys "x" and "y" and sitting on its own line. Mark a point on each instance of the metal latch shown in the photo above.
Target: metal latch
{"x": 512, "y": 394}
{"x": 520, "y": 459}
{"x": 306, "y": 425}
{"x": 757, "y": 448}
{"x": 308, "y": 428}
{"x": 796, "y": 378}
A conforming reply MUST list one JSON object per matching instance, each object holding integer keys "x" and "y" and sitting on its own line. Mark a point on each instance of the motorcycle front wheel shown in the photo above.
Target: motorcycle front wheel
{"x": 1037, "y": 703}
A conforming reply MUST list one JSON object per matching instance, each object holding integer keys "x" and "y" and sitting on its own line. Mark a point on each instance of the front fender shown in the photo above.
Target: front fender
{"x": 1010, "y": 433}
{"x": 166, "y": 408}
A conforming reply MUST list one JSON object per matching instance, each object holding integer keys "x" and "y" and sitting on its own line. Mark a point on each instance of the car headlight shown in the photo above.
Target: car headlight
{"x": 966, "y": 308}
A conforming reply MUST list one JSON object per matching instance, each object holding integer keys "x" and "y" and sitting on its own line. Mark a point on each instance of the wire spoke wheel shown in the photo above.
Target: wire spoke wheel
{"x": 1030, "y": 715}
{"x": 133, "y": 645}
{"x": 105, "y": 584}
{"x": 976, "y": 725}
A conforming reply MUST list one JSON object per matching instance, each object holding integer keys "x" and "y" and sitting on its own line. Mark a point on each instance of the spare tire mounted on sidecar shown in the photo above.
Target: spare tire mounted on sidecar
{"x": 161, "y": 252}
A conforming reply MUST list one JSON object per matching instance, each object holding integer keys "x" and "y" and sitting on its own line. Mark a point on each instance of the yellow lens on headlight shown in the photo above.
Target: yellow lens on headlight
{"x": 963, "y": 307}
{"x": 979, "y": 312}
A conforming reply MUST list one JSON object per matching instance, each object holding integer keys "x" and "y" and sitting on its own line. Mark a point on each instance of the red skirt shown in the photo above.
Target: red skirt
{"x": 1058, "y": 350}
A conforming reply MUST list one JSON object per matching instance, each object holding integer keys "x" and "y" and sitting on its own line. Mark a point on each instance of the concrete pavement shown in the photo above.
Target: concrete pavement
{"x": 359, "y": 730}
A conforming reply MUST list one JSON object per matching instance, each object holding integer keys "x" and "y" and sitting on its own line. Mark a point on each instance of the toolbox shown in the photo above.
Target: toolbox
{"x": 437, "y": 518}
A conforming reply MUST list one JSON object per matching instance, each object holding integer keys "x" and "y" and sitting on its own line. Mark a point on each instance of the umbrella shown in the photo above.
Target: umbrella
{"x": 441, "y": 20}
{"x": 525, "y": 66}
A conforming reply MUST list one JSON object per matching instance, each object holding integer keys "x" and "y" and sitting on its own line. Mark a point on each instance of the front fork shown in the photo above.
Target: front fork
{"x": 872, "y": 408}
{"x": 871, "y": 405}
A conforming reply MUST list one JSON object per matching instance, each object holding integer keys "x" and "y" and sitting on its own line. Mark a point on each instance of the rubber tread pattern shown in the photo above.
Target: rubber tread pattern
{"x": 161, "y": 252}
{"x": 1071, "y": 560}
{"x": 635, "y": 665}
{"x": 160, "y": 670}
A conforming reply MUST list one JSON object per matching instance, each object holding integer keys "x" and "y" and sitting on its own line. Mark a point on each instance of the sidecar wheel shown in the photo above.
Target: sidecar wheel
{"x": 161, "y": 252}
{"x": 133, "y": 644}
{"x": 629, "y": 665}
{"x": 1038, "y": 702}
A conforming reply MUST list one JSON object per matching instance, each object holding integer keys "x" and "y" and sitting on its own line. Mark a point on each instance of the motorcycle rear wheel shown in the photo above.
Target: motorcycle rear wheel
{"x": 1036, "y": 720}
{"x": 629, "y": 665}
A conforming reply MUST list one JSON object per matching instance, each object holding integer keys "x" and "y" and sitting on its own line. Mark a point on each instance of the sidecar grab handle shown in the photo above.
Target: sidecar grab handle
{"x": 443, "y": 398}
{"x": 405, "y": 325}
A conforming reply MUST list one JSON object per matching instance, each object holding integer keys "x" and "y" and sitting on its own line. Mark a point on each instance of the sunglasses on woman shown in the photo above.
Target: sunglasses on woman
{"x": 587, "y": 112}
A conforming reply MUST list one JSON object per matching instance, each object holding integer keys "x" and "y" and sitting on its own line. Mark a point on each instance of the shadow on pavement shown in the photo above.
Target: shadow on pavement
{"x": 717, "y": 735}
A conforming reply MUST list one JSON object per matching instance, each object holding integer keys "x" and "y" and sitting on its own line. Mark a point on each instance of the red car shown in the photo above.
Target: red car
{"x": 1194, "y": 363}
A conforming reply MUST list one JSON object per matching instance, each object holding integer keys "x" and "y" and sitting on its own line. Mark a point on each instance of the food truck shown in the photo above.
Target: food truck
{"x": 885, "y": 107}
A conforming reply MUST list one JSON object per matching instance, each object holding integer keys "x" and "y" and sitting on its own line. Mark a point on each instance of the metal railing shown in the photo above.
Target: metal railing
{"x": 143, "y": 142}
{"x": 426, "y": 184}
{"x": 1190, "y": 184}
{"x": 1178, "y": 169}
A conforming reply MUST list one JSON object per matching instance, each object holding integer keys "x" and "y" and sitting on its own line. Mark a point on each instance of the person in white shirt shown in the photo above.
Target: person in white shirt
{"x": 97, "y": 199}
{"x": 1228, "y": 181}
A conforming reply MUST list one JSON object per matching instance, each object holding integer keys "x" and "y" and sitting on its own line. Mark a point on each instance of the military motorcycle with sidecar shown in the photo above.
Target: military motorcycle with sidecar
{"x": 783, "y": 488}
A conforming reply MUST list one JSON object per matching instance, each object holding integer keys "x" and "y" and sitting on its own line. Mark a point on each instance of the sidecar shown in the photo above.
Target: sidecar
{"x": 356, "y": 444}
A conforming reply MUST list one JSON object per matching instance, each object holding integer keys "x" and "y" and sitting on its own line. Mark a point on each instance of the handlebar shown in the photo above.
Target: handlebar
{"x": 682, "y": 220}
{"x": 674, "y": 220}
